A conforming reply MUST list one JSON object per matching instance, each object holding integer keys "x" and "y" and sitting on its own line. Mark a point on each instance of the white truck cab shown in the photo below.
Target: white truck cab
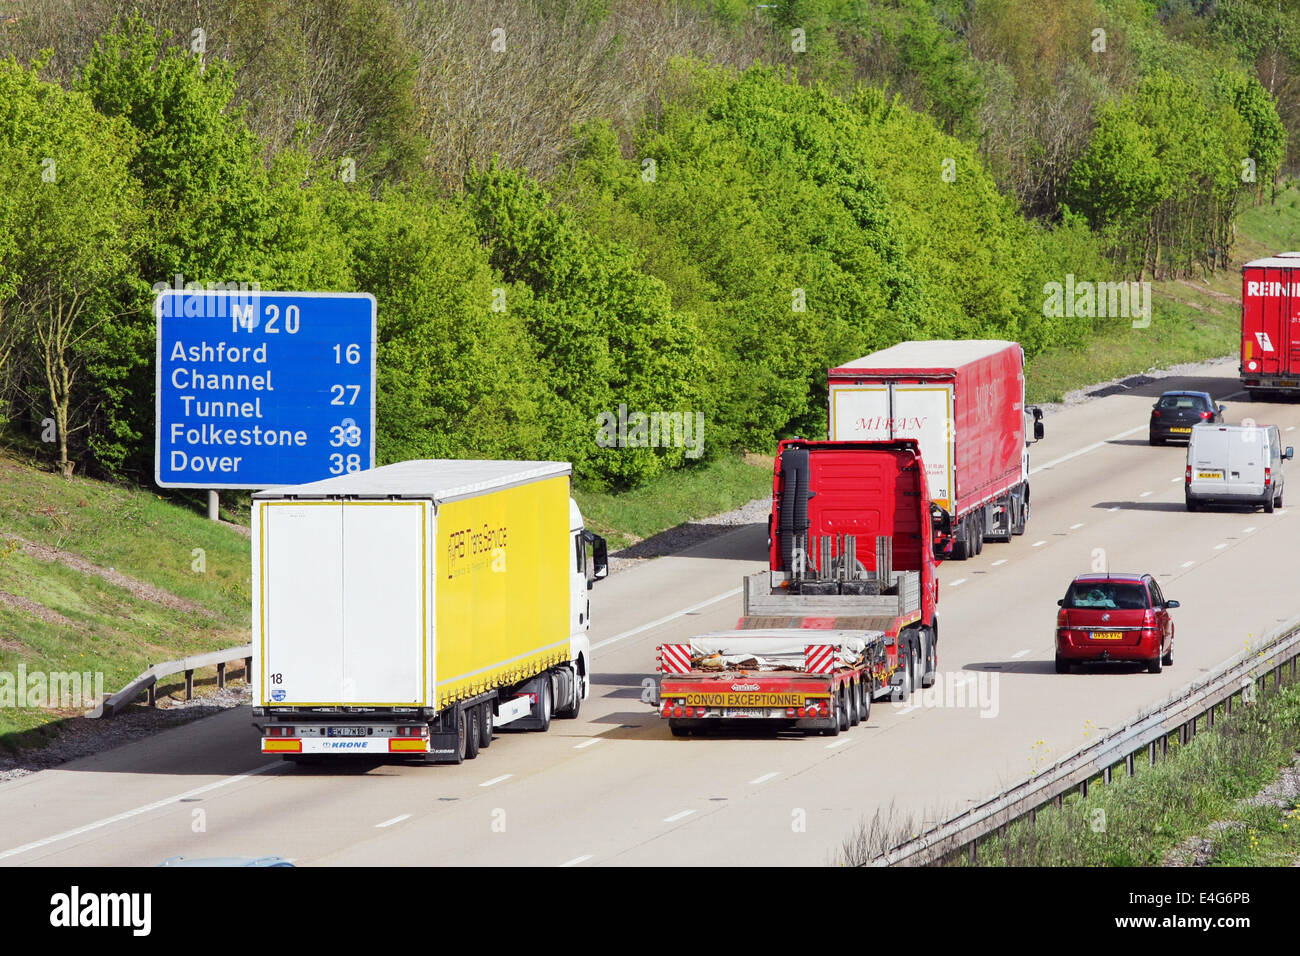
{"x": 1235, "y": 464}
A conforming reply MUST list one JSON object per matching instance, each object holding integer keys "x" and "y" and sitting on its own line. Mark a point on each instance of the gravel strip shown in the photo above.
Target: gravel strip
{"x": 1117, "y": 386}
{"x": 83, "y": 736}
{"x": 691, "y": 533}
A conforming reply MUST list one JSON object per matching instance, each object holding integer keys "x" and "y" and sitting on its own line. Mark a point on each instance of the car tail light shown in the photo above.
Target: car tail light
{"x": 1205, "y": 415}
{"x": 1061, "y": 618}
{"x": 1155, "y": 413}
{"x": 279, "y": 731}
{"x": 1268, "y": 475}
{"x": 1148, "y": 618}
{"x": 1187, "y": 478}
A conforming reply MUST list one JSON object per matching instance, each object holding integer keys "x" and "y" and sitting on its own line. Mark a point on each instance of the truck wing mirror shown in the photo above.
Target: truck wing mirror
{"x": 1038, "y": 431}
{"x": 599, "y": 567}
{"x": 1290, "y": 451}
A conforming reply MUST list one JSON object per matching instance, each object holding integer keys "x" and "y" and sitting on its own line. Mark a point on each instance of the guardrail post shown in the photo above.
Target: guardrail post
{"x": 1058, "y": 800}
{"x": 970, "y": 852}
{"x": 189, "y": 685}
{"x": 1083, "y": 787}
{"x": 248, "y": 670}
{"x": 1151, "y": 751}
{"x": 1164, "y": 745}
{"x": 1105, "y": 774}
{"x": 1227, "y": 706}
{"x": 153, "y": 694}
{"x": 221, "y": 677}
{"x": 1209, "y": 718}
{"x": 1129, "y": 765}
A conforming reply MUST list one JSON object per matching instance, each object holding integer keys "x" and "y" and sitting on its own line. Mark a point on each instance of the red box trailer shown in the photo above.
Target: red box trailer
{"x": 964, "y": 403}
{"x": 1270, "y": 324}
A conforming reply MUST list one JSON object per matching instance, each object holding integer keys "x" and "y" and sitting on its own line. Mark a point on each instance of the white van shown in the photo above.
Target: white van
{"x": 1235, "y": 464}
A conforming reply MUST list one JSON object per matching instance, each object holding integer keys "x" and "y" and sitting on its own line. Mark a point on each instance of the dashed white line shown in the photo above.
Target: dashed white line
{"x": 495, "y": 780}
{"x": 999, "y": 561}
{"x": 576, "y": 860}
{"x": 1248, "y": 530}
{"x": 764, "y": 779}
{"x": 1115, "y": 508}
{"x": 1087, "y": 448}
{"x": 953, "y": 584}
{"x": 665, "y": 619}
{"x": 678, "y": 816}
{"x": 1172, "y": 480}
{"x": 126, "y": 815}
{"x": 1039, "y": 544}
{"x": 587, "y": 743}
{"x": 1290, "y": 428}
{"x": 1221, "y": 546}
{"x": 1144, "y": 494}
{"x": 389, "y": 823}
{"x": 1076, "y": 527}
{"x": 1019, "y": 654}
{"x": 839, "y": 743}
{"x": 1187, "y": 564}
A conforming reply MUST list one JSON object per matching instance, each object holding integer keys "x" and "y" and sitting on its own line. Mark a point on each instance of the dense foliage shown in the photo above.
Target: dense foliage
{"x": 559, "y": 217}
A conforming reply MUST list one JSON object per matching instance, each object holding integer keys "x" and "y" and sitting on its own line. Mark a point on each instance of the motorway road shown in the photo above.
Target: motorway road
{"x": 614, "y": 788}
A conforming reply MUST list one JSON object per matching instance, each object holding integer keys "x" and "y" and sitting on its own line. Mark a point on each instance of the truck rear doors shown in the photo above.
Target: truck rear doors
{"x": 342, "y": 602}
{"x": 890, "y": 410}
{"x": 1270, "y": 324}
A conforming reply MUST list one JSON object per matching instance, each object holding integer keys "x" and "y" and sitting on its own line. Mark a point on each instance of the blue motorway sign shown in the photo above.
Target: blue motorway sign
{"x": 257, "y": 389}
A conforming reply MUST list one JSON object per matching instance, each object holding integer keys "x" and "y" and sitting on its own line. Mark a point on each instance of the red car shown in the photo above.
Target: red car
{"x": 1114, "y": 617}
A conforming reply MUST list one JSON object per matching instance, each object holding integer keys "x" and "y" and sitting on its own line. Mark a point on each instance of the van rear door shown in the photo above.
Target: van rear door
{"x": 1247, "y": 456}
{"x": 1207, "y": 456}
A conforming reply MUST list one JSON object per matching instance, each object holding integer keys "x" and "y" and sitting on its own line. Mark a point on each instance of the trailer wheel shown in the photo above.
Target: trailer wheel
{"x": 678, "y": 728}
{"x": 473, "y": 732}
{"x": 864, "y": 699}
{"x": 961, "y": 541}
{"x": 979, "y": 531}
{"x": 462, "y": 732}
{"x": 853, "y": 700}
{"x": 485, "y": 727}
{"x": 546, "y": 705}
{"x": 929, "y": 664}
{"x": 570, "y": 711}
{"x": 903, "y": 689}
{"x": 834, "y": 729}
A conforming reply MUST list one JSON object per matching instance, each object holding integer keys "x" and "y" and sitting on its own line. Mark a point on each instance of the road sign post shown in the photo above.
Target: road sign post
{"x": 257, "y": 389}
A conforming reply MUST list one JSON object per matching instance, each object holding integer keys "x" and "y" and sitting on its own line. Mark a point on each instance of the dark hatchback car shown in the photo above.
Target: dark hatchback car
{"x": 1175, "y": 413}
{"x": 1114, "y": 617}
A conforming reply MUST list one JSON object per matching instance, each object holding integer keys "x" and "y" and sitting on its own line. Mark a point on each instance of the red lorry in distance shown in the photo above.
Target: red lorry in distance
{"x": 846, "y": 611}
{"x": 1270, "y": 325}
{"x": 964, "y": 402}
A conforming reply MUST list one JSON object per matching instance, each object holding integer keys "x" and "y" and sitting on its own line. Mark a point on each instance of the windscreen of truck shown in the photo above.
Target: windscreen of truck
{"x": 1106, "y": 594}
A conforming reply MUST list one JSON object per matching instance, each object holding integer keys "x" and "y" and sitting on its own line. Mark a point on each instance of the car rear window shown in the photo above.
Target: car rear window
{"x": 1106, "y": 594}
{"x": 1182, "y": 401}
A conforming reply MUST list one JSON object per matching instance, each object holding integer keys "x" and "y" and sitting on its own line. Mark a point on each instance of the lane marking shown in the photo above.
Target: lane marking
{"x": 495, "y": 780}
{"x": 839, "y": 743}
{"x": 1087, "y": 448}
{"x": 1248, "y": 530}
{"x": 587, "y": 743}
{"x": 764, "y": 779}
{"x": 1116, "y": 508}
{"x": 957, "y": 582}
{"x": 1075, "y": 527}
{"x": 1187, "y": 564}
{"x": 1039, "y": 544}
{"x": 389, "y": 823}
{"x": 678, "y": 816}
{"x": 999, "y": 561}
{"x": 664, "y": 620}
{"x": 1290, "y": 428}
{"x": 1019, "y": 654}
{"x": 576, "y": 860}
{"x": 117, "y": 818}
{"x": 1172, "y": 480}
{"x": 1220, "y": 547}
{"x": 1144, "y": 494}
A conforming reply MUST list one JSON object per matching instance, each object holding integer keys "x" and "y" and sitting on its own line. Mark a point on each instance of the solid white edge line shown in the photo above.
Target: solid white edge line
{"x": 389, "y": 823}
{"x": 665, "y": 619}
{"x": 128, "y": 814}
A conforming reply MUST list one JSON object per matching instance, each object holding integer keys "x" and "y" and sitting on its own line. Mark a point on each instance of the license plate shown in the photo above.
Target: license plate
{"x": 1180, "y": 431}
{"x": 1104, "y": 635}
{"x": 345, "y": 731}
{"x": 1209, "y": 474}
{"x": 1287, "y": 384}
{"x": 746, "y": 712}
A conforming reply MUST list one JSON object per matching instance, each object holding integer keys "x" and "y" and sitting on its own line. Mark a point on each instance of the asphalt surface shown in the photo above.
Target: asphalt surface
{"x": 614, "y": 788}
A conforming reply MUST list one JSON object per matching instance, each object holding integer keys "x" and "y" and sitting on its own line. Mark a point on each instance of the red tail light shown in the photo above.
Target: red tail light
{"x": 1060, "y": 618}
{"x": 1148, "y": 618}
{"x": 1187, "y": 479}
{"x": 1155, "y": 413}
{"x": 1268, "y": 476}
{"x": 1205, "y": 415}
